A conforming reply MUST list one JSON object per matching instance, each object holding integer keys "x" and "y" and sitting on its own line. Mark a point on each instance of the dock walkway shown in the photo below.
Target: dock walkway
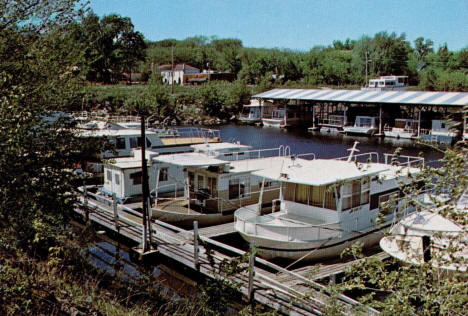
{"x": 299, "y": 296}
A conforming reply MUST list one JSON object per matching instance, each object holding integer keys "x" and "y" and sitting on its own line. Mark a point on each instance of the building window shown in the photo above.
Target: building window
{"x": 117, "y": 179}
{"x": 137, "y": 177}
{"x": 140, "y": 143}
{"x": 120, "y": 143}
{"x": 163, "y": 174}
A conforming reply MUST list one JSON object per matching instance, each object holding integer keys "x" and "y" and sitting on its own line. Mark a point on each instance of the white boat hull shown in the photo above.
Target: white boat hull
{"x": 313, "y": 250}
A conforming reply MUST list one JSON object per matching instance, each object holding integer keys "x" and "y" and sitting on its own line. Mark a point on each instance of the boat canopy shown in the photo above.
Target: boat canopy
{"x": 319, "y": 172}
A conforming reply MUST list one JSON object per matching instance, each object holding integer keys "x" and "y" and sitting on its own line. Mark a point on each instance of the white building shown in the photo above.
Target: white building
{"x": 179, "y": 71}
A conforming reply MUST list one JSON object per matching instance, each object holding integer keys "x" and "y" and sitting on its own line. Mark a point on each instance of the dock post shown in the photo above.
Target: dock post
{"x": 116, "y": 212}
{"x": 195, "y": 245}
{"x": 85, "y": 202}
{"x": 251, "y": 270}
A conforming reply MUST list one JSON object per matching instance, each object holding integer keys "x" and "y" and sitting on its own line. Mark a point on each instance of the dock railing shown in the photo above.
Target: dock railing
{"x": 193, "y": 236}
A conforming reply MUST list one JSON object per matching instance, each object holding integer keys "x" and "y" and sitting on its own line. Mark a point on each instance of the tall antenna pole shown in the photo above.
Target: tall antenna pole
{"x": 367, "y": 60}
{"x": 144, "y": 174}
{"x": 172, "y": 76}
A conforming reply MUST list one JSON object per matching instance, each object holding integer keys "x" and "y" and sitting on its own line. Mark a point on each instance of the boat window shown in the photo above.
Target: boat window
{"x": 290, "y": 115}
{"x": 163, "y": 174}
{"x": 117, "y": 179}
{"x": 191, "y": 177}
{"x": 233, "y": 189}
{"x": 140, "y": 143}
{"x": 133, "y": 142}
{"x": 137, "y": 177}
{"x": 200, "y": 182}
{"x": 120, "y": 143}
{"x": 388, "y": 203}
{"x": 212, "y": 187}
{"x": 302, "y": 193}
{"x": 108, "y": 176}
{"x": 244, "y": 188}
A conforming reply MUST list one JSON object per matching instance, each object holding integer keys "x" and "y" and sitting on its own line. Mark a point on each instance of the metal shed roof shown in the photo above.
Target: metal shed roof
{"x": 370, "y": 96}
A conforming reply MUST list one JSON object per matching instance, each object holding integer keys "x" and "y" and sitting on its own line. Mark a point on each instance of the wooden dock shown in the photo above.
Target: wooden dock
{"x": 289, "y": 292}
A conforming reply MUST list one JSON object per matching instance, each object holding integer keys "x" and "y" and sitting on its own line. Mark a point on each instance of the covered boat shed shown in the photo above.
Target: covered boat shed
{"x": 327, "y": 101}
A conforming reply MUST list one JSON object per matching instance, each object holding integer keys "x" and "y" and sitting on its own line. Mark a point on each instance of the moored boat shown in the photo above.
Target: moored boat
{"x": 363, "y": 125}
{"x": 427, "y": 235}
{"x": 325, "y": 205}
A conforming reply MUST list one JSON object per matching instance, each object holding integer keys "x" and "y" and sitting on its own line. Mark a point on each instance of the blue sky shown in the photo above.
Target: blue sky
{"x": 294, "y": 24}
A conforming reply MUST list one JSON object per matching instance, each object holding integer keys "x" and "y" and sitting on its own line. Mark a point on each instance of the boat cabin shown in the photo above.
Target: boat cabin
{"x": 389, "y": 83}
{"x": 218, "y": 186}
{"x": 366, "y": 125}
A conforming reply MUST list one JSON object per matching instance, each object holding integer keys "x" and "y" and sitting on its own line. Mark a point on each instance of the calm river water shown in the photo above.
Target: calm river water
{"x": 324, "y": 145}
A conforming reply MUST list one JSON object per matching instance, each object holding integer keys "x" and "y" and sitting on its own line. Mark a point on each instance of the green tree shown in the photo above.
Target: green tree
{"x": 111, "y": 46}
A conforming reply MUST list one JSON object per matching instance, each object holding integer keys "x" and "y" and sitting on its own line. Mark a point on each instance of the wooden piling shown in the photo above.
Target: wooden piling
{"x": 196, "y": 249}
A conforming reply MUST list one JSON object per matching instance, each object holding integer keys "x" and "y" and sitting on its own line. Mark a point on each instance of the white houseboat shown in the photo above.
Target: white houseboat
{"x": 363, "y": 125}
{"x": 442, "y": 132}
{"x": 446, "y": 239}
{"x": 213, "y": 188}
{"x": 324, "y": 206}
{"x": 385, "y": 83}
{"x": 404, "y": 128}
{"x": 122, "y": 176}
{"x": 283, "y": 116}
{"x": 253, "y": 113}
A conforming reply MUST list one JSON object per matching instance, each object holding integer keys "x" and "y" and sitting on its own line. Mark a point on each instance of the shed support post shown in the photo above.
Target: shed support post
{"x": 251, "y": 270}
{"x": 313, "y": 116}
{"x": 196, "y": 249}
{"x": 419, "y": 122}
{"x": 380, "y": 119}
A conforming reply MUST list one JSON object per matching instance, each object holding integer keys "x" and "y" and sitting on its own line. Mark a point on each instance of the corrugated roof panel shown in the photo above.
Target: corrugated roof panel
{"x": 330, "y": 95}
{"x": 369, "y": 96}
{"x": 444, "y": 97}
{"x": 365, "y": 96}
{"x": 350, "y": 94}
{"x": 383, "y": 96}
{"x": 463, "y": 100}
{"x": 423, "y": 97}
{"x": 304, "y": 93}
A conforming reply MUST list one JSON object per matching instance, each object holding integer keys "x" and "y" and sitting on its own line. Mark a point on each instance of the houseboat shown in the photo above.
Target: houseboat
{"x": 213, "y": 189}
{"x": 385, "y": 83}
{"x": 253, "y": 113}
{"x": 283, "y": 116}
{"x": 363, "y": 125}
{"x": 442, "y": 132}
{"x": 122, "y": 176}
{"x": 404, "y": 128}
{"x": 325, "y": 206}
{"x": 445, "y": 239}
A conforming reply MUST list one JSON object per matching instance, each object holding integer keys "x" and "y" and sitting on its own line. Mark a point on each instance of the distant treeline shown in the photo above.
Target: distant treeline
{"x": 110, "y": 47}
{"x": 340, "y": 64}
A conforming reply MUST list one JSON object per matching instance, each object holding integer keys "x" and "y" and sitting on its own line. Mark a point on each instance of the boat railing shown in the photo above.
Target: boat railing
{"x": 403, "y": 160}
{"x": 248, "y": 221}
{"x": 364, "y": 157}
{"x": 307, "y": 155}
